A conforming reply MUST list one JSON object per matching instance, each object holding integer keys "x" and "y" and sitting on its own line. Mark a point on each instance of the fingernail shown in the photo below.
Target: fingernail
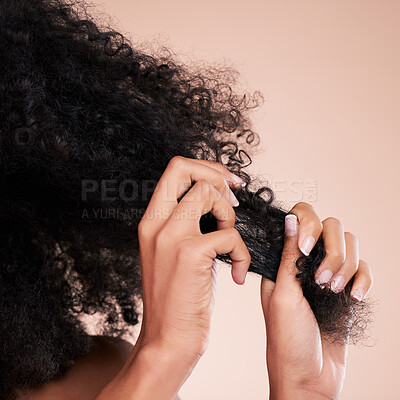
{"x": 307, "y": 245}
{"x": 238, "y": 180}
{"x": 337, "y": 284}
{"x": 324, "y": 277}
{"x": 358, "y": 294}
{"x": 232, "y": 197}
{"x": 234, "y": 200}
{"x": 291, "y": 225}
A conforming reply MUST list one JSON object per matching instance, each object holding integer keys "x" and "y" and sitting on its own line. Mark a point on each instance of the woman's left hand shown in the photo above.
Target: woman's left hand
{"x": 302, "y": 365}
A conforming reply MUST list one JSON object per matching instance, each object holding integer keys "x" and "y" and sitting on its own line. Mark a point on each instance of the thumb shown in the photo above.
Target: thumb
{"x": 286, "y": 280}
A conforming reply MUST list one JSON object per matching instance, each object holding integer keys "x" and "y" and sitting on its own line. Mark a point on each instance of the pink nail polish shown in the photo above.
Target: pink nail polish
{"x": 307, "y": 245}
{"x": 337, "y": 284}
{"x": 232, "y": 197}
{"x": 237, "y": 180}
{"x": 291, "y": 225}
{"x": 324, "y": 277}
{"x": 358, "y": 294}
{"x": 234, "y": 200}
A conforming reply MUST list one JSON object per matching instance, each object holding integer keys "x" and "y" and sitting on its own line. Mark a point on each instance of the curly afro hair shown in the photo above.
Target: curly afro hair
{"x": 81, "y": 106}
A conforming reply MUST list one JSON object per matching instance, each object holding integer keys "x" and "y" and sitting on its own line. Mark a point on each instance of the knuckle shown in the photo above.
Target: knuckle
{"x": 315, "y": 225}
{"x": 176, "y": 162}
{"x": 248, "y": 257}
{"x": 336, "y": 256}
{"x": 144, "y": 228}
{"x": 311, "y": 225}
{"x": 333, "y": 221}
{"x": 365, "y": 265}
{"x": 218, "y": 165}
{"x": 350, "y": 236}
{"x": 227, "y": 215}
{"x": 220, "y": 180}
{"x": 303, "y": 205}
{"x": 350, "y": 269}
{"x": 233, "y": 234}
{"x": 222, "y": 169}
{"x": 201, "y": 183}
{"x": 289, "y": 256}
{"x": 215, "y": 164}
{"x": 205, "y": 189}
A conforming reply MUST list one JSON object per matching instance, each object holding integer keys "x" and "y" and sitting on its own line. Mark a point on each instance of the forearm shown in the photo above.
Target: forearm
{"x": 150, "y": 373}
{"x": 297, "y": 394}
{"x": 284, "y": 388}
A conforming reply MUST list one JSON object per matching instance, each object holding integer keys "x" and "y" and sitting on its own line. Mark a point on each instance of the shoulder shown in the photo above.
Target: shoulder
{"x": 114, "y": 349}
{"x": 102, "y": 363}
{"x": 89, "y": 374}
{"x": 105, "y": 359}
{"x": 111, "y": 347}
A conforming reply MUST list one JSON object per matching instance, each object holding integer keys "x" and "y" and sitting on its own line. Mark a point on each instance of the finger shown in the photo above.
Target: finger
{"x": 177, "y": 178}
{"x": 199, "y": 200}
{"x": 310, "y": 226}
{"x": 227, "y": 241}
{"x": 335, "y": 246}
{"x": 286, "y": 280}
{"x": 363, "y": 281}
{"x": 182, "y": 172}
{"x": 350, "y": 265}
{"x": 232, "y": 179}
{"x": 266, "y": 289}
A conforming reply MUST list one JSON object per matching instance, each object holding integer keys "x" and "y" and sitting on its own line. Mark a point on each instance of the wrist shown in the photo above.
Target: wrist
{"x": 297, "y": 394}
{"x": 159, "y": 359}
{"x": 153, "y": 371}
{"x": 285, "y": 387}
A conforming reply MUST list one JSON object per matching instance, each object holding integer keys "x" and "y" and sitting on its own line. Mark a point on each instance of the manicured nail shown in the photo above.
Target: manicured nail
{"x": 237, "y": 180}
{"x": 307, "y": 245}
{"x": 337, "y": 284}
{"x": 291, "y": 225}
{"x": 324, "y": 277}
{"x": 358, "y": 294}
{"x": 234, "y": 200}
{"x": 232, "y": 197}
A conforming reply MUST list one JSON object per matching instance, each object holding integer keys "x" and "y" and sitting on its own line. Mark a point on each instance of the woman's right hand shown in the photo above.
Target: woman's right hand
{"x": 178, "y": 272}
{"x": 177, "y": 260}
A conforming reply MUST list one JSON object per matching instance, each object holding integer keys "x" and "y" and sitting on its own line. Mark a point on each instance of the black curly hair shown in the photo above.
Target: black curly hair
{"x": 81, "y": 106}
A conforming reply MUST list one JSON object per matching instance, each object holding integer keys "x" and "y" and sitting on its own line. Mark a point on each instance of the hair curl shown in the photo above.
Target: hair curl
{"x": 79, "y": 103}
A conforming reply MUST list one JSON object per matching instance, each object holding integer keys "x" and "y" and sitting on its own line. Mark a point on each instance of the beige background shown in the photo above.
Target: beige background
{"x": 329, "y": 70}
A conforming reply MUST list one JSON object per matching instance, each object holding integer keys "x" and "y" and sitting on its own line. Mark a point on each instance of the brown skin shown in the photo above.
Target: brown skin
{"x": 89, "y": 374}
{"x": 301, "y": 364}
{"x": 177, "y": 259}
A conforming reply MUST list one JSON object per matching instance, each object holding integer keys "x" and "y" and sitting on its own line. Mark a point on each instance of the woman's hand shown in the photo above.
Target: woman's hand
{"x": 178, "y": 274}
{"x": 302, "y": 365}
